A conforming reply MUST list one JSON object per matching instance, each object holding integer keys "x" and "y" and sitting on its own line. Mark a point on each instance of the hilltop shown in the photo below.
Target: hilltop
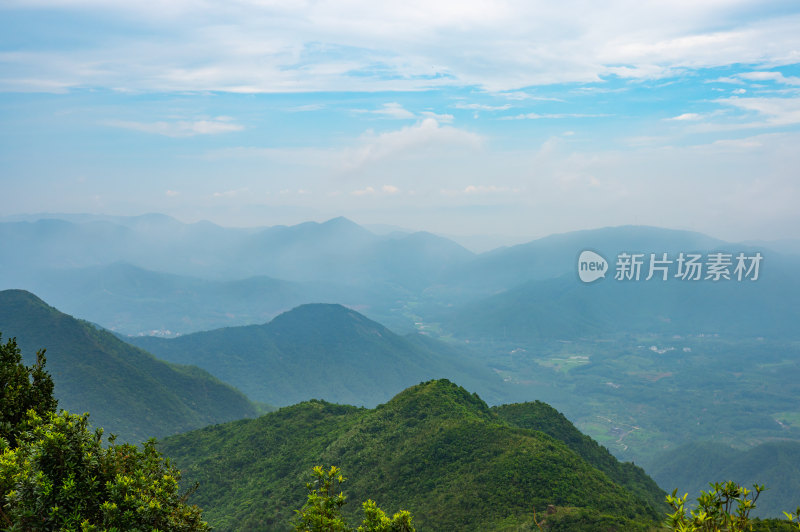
{"x": 433, "y": 449}
{"x": 324, "y": 351}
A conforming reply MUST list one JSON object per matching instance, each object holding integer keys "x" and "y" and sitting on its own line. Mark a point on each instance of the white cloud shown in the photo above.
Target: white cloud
{"x": 255, "y": 46}
{"x": 728, "y": 79}
{"x": 481, "y": 107}
{"x": 538, "y": 116}
{"x": 371, "y": 191}
{"x": 770, "y": 76}
{"x": 394, "y": 110}
{"x": 686, "y": 116}
{"x": 181, "y": 128}
{"x": 479, "y": 190}
{"x": 424, "y": 137}
{"x": 483, "y": 189}
{"x": 441, "y": 118}
{"x": 306, "y": 108}
{"x": 522, "y": 95}
{"x": 171, "y": 193}
{"x": 368, "y": 191}
{"x": 738, "y": 144}
{"x": 772, "y": 111}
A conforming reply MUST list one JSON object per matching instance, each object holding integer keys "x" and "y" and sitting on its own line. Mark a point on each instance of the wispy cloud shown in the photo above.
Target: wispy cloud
{"x": 777, "y": 77}
{"x": 441, "y": 118}
{"x": 770, "y": 111}
{"x": 180, "y": 128}
{"x": 481, "y": 106}
{"x": 372, "y": 191}
{"x": 306, "y": 108}
{"x": 366, "y": 191}
{"x": 540, "y": 116}
{"x": 686, "y": 117}
{"x": 393, "y": 110}
{"x": 426, "y": 136}
{"x": 396, "y": 111}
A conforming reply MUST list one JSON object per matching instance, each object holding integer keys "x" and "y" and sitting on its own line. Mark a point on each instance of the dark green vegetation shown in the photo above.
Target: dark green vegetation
{"x": 689, "y": 467}
{"x": 434, "y": 449}
{"x": 56, "y": 474}
{"x": 321, "y": 351}
{"x": 725, "y": 507}
{"x": 544, "y": 418}
{"x": 128, "y": 391}
{"x": 323, "y": 508}
{"x": 22, "y": 388}
{"x": 62, "y": 476}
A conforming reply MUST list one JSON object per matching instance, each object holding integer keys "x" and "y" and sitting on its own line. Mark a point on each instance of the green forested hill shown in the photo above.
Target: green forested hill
{"x": 321, "y": 351}
{"x": 543, "y": 417}
{"x": 690, "y": 467}
{"x": 433, "y": 449}
{"x": 127, "y": 391}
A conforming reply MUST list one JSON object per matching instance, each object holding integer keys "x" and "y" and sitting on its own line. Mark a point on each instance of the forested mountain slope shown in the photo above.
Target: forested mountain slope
{"x": 128, "y": 391}
{"x": 322, "y": 351}
{"x": 433, "y": 449}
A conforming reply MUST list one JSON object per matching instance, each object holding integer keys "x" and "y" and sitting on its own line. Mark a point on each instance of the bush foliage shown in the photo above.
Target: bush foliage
{"x": 57, "y": 474}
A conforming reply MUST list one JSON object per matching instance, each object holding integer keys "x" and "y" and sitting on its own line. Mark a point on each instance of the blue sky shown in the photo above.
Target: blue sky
{"x": 516, "y": 119}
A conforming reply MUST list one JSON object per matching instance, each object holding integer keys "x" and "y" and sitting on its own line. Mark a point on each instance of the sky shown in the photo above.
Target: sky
{"x": 509, "y": 119}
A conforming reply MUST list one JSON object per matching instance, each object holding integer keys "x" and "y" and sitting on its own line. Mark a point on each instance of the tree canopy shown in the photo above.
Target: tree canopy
{"x": 322, "y": 511}
{"x": 57, "y": 474}
{"x": 22, "y": 388}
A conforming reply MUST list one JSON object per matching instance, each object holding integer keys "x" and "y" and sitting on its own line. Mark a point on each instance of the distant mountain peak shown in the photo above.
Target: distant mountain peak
{"x": 439, "y": 397}
{"x": 340, "y": 220}
{"x": 318, "y": 308}
{"x": 341, "y": 224}
{"x": 327, "y": 314}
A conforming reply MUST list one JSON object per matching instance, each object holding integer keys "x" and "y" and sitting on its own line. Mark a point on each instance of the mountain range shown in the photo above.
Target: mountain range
{"x": 336, "y": 312}
{"x": 151, "y": 273}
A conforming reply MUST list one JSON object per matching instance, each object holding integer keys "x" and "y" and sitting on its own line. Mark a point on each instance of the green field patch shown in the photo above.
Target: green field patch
{"x": 791, "y": 419}
{"x": 651, "y": 376}
{"x": 564, "y": 364}
{"x": 781, "y": 364}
